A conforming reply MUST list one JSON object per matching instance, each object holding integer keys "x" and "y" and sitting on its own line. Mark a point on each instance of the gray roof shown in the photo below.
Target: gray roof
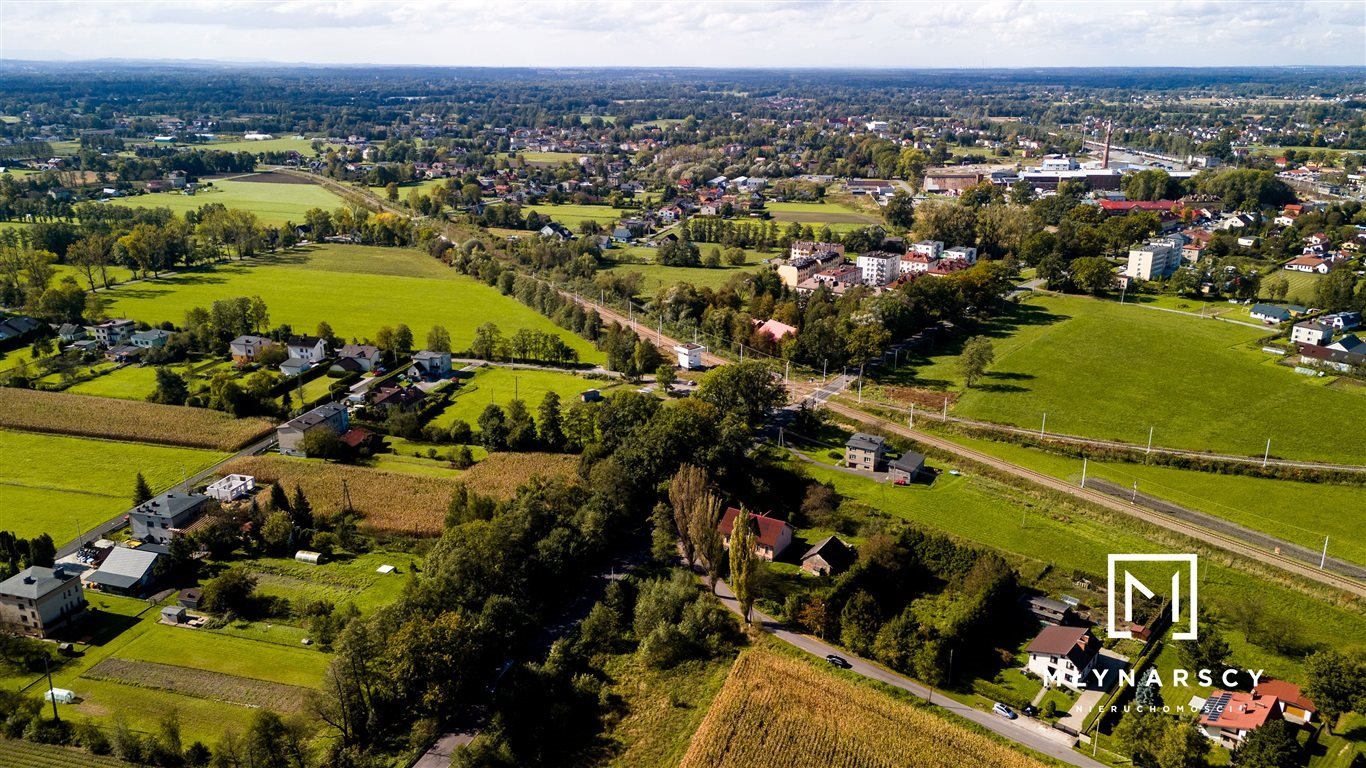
{"x": 834, "y": 551}
{"x": 359, "y": 350}
{"x": 124, "y": 567}
{"x": 315, "y": 417}
{"x": 34, "y": 582}
{"x": 427, "y": 354}
{"x": 170, "y": 505}
{"x": 1049, "y": 603}
{"x": 909, "y": 461}
{"x": 865, "y": 442}
{"x": 154, "y": 333}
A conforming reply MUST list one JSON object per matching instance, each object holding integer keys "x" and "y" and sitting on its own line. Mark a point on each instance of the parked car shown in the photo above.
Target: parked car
{"x": 1003, "y": 711}
{"x": 1030, "y": 710}
{"x": 838, "y": 661}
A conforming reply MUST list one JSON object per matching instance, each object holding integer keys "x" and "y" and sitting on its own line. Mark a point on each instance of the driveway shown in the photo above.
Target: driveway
{"x": 1090, "y": 698}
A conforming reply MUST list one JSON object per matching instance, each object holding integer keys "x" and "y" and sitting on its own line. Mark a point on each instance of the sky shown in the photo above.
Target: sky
{"x": 707, "y": 33}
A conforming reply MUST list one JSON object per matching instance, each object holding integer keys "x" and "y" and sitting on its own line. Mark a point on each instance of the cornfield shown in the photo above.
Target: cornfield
{"x": 101, "y": 417}
{"x": 392, "y": 502}
{"x": 780, "y": 712}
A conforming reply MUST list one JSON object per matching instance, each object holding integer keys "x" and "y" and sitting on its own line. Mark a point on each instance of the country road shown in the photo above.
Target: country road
{"x": 114, "y": 524}
{"x": 1023, "y": 730}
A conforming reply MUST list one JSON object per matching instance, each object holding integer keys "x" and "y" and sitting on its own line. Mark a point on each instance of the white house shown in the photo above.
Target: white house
{"x": 1311, "y": 332}
{"x": 962, "y": 253}
{"x": 111, "y": 333}
{"x": 689, "y": 356}
{"x": 1157, "y": 259}
{"x": 231, "y": 487}
{"x": 1063, "y": 656}
{"x": 309, "y": 348}
{"x": 932, "y": 249}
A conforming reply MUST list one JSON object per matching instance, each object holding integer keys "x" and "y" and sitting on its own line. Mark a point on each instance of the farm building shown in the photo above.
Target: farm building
{"x": 828, "y": 557}
{"x": 189, "y": 598}
{"x": 126, "y": 571}
{"x": 906, "y": 467}
{"x": 173, "y": 614}
{"x": 1047, "y": 610}
{"x": 307, "y": 556}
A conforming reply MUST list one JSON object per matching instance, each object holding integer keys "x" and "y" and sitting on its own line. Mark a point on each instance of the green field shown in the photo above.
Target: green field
{"x": 983, "y": 511}
{"x": 1109, "y": 371}
{"x": 573, "y": 215}
{"x": 1302, "y": 285}
{"x": 351, "y": 580}
{"x": 658, "y": 276}
{"x": 55, "y": 483}
{"x": 548, "y": 158}
{"x": 27, "y": 754}
{"x": 272, "y": 202}
{"x": 840, "y": 218}
{"x": 303, "y": 146}
{"x": 136, "y": 382}
{"x": 1301, "y": 513}
{"x": 357, "y": 289}
{"x": 499, "y": 385}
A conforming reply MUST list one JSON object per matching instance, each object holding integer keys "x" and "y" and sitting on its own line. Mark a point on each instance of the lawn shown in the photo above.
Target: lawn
{"x": 272, "y": 202}
{"x": 353, "y": 580}
{"x": 357, "y": 289}
{"x": 1109, "y": 371}
{"x": 840, "y": 218}
{"x": 55, "y": 484}
{"x": 988, "y": 513}
{"x": 1302, "y": 285}
{"x": 131, "y": 382}
{"x": 500, "y": 385}
{"x": 547, "y": 158}
{"x": 302, "y": 145}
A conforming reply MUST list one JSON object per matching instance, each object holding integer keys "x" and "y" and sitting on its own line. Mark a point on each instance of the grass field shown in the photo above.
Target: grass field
{"x": 778, "y": 711}
{"x": 99, "y": 417}
{"x": 658, "y": 276}
{"x": 272, "y": 202}
{"x": 664, "y": 708}
{"x": 573, "y": 215}
{"x": 1301, "y": 513}
{"x": 131, "y": 382}
{"x": 55, "y": 484}
{"x": 500, "y": 385}
{"x": 1302, "y": 285}
{"x": 840, "y": 218}
{"x": 351, "y": 580}
{"x": 303, "y": 146}
{"x": 988, "y": 513}
{"x": 359, "y": 289}
{"x": 1109, "y": 371}
{"x": 548, "y": 158}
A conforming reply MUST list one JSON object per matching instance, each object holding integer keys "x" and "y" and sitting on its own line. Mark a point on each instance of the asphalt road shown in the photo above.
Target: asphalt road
{"x": 1023, "y": 730}
{"x": 116, "y": 523}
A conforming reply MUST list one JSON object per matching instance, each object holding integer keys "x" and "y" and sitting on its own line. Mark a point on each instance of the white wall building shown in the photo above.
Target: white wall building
{"x": 1155, "y": 260}
{"x": 879, "y": 267}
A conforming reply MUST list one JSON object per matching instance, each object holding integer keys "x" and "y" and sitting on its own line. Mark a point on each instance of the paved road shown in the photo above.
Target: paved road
{"x": 1026, "y": 731}
{"x": 116, "y": 523}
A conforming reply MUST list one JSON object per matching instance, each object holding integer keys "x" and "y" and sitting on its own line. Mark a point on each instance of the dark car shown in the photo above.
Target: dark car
{"x": 838, "y": 661}
{"x": 1030, "y": 710}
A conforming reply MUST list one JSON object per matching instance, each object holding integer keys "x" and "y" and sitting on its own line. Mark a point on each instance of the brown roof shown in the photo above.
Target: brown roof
{"x": 770, "y": 528}
{"x": 1287, "y": 692}
{"x": 1076, "y": 643}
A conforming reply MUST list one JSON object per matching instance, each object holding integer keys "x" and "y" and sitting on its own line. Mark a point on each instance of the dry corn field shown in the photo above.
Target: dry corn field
{"x": 779, "y": 712}
{"x": 393, "y": 502}
{"x": 108, "y": 418}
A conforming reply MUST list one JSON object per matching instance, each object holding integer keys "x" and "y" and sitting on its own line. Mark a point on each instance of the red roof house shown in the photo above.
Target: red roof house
{"x": 774, "y": 535}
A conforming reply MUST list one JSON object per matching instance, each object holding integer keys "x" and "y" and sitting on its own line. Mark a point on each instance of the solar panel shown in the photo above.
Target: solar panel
{"x": 1215, "y": 706}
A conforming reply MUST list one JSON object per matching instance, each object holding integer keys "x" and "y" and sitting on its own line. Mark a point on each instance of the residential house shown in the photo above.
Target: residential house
{"x": 231, "y": 488}
{"x": 38, "y": 600}
{"x": 776, "y": 330}
{"x": 358, "y": 357}
{"x": 773, "y": 536}
{"x": 430, "y": 365}
{"x": 879, "y": 267}
{"x": 916, "y": 263}
{"x": 962, "y": 253}
{"x": 808, "y": 248}
{"x": 362, "y": 441}
{"x": 1228, "y": 717}
{"x": 1269, "y": 313}
{"x": 622, "y": 235}
{"x": 1063, "y": 655}
{"x": 1311, "y": 264}
{"x": 112, "y": 333}
{"x": 333, "y": 416}
{"x": 294, "y": 366}
{"x": 405, "y": 399}
{"x": 865, "y": 452}
{"x": 150, "y": 339}
{"x": 123, "y": 353}
{"x": 69, "y": 332}
{"x": 828, "y": 557}
{"x": 125, "y": 571}
{"x": 689, "y": 356}
{"x": 1295, "y": 706}
{"x": 1342, "y": 321}
{"x": 161, "y": 518}
{"x": 245, "y": 349}
{"x": 556, "y": 231}
{"x": 1346, "y": 355}
{"x": 837, "y": 279}
{"x": 1310, "y": 332}
{"x": 930, "y": 249}
{"x": 906, "y": 467}
{"x": 310, "y": 348}
{"x": 800, "y": 268}
{"x": 1047, "y": 610}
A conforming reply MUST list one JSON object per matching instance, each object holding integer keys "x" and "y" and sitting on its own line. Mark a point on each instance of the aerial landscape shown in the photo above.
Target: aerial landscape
{"x": 402, "y": 385}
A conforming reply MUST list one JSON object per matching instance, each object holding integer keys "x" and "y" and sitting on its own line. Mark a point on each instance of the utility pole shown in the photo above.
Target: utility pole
{"x": 1083, "y": 471}
{"x": 1150, "y": 441}
{"x": 47, "y": 668}
{"x": 1266, "y": 455}
{"x": 516, "y": 388}
{"x": 823, "y": 363}
{"x": 910, "y": 422}
{"x": 946, "y": 410}
{"x": 1134, "y": 498}
{"x": 1324, "y": 560}
{"x": 1044, "y": 425}
{"x": 787, "y": 369}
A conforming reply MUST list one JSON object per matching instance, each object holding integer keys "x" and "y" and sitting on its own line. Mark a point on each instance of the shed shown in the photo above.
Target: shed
{"x": 60, "y": 695}
{"x": 190, "y": 598}
{"x": 306, "y": 556}
{"x": 591, "y": 396}
{"x": 173, "y": 614}
{"x": 905, "y": 468}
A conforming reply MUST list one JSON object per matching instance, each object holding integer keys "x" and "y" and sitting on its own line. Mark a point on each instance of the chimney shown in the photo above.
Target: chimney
{"x": 1105, "y": 158}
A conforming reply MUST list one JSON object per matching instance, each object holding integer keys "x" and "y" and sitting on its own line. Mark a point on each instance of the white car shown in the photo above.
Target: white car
{"x": 1003, "y": 711}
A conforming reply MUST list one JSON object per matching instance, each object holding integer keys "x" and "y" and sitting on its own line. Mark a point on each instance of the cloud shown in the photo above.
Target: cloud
{"x": 760, "y": 33}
